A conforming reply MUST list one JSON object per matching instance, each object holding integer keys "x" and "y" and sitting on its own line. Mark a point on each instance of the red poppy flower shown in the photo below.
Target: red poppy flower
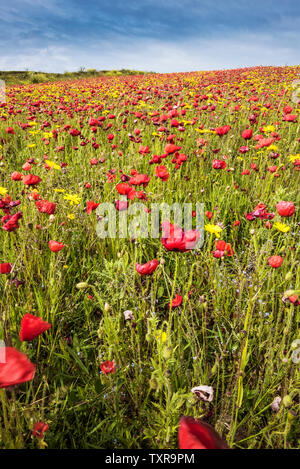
{"x": 74, "y": 132}
{"x": 31, "y": 180}
{"x": 222, "y": 130}
{"x": 219, "y": 164}
{"x": 285, "y": 209}
{"x": 141, "y": 195}
{"x": 170, "y": 148}
{"x": 26, "y": 166}
{"x": 264, "y": 142}
{"x": 15, "y": 369}
{"x": 244, "y": 149}
{"x": 139, "y": 179}
{"x": 162, "y": 172}
{"x": 290, "y": 118}
{"x": 275, "y": 261}
{"x": 94, "y": 161}
{"x": 259, "y": 212}
{"x": 90, "y": 206}
{"x": 223, "y": 249}
{"x": 196, "y": 434}
{"x": 122, "y": 205}
{"x": 5, "y": 268}
{"x": 144, "y": 150}
{"x": 209, "y": 215}
{"x": 10, "y": 130}
{"x": 55, "y": 246}
{"x": 108, "y": 367}
{"x": 294, "y": 300}
{"x": 148, "y": 268}
{"x": 11, "y": 221}
{"x": 176, "y": 301}
{"x": 247, "y": 134}
{"x": 39, "y": 429}
{"x": 44, "y": 206}
{"x": 32, "y": 327}
{"x": 16, "y": 176}
{"x": 124, "y": 189}
{"x": 175, "y": 238}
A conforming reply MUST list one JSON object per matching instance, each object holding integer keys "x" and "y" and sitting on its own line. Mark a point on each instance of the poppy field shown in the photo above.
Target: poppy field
{"x": 150, "y": 342}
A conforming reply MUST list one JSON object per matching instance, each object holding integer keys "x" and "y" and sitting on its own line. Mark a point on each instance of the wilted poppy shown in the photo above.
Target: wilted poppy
{"x": 39, "y": 429}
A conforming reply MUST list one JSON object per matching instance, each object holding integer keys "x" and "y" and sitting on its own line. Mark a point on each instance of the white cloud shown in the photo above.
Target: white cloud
{"x": 160, "y": 56}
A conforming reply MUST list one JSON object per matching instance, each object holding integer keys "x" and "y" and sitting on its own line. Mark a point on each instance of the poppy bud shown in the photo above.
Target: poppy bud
{"x": 107, "y": 307}
{"x": 287, "y": 401}
{"x": 167, "y": 353}
{"x": 289, "y": 276}
{"x": 148, "y": 337}
{"x": 153, "y": 383}
{"x": 82, "y": 285}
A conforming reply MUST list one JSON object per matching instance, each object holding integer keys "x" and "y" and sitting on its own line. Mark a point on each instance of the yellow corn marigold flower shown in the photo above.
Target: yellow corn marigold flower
{"x": 293, "y": 158}
{"x": 281, "y": 227}
{"x": 73, "y": 199}
{"x": 3, "y": 191}
{"x": 213, "y": 229}
{"x": 269, "y": 128}
{"x": 52, "y": 164}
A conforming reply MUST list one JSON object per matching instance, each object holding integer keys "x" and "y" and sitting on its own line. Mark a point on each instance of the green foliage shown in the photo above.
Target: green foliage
{"x": 232, "y": 332}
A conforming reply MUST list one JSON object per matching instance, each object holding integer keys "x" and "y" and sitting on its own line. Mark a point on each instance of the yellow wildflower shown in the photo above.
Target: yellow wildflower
{"x": 282, "y": 227}
{"x": 52, "y": 164}
{"x": 213, "y": 229}
{"x": 3, "y": 190}
{"x": 73, "y": 199}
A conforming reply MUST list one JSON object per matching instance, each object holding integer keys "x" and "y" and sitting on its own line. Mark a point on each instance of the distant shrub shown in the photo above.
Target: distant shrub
{"x": 91, "y": 71}
{"x": 37, "y": 77}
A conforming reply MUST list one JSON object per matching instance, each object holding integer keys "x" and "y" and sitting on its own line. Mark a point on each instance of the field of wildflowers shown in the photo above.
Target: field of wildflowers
{"x": 118, "y": 342}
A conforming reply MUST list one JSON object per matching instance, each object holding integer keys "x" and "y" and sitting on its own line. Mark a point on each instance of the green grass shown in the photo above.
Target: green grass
{"x": 232, "y": 332}
{"x": 31, "y": 77}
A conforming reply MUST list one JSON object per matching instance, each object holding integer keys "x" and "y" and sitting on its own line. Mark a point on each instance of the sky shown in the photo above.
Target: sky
{"x": 152, "y": 35}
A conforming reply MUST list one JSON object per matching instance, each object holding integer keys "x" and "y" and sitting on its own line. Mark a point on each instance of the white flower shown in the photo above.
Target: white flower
{"x": 276, "y": 404}
{"x": 205, "y": 393}
{"x": 128, "y": 315}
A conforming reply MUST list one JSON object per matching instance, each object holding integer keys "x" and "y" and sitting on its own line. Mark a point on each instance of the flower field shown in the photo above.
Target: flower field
{"x": 111, "y": 342}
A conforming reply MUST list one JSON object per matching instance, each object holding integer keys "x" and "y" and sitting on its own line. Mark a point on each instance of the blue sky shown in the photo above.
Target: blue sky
{"x": 156, "y": 35}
